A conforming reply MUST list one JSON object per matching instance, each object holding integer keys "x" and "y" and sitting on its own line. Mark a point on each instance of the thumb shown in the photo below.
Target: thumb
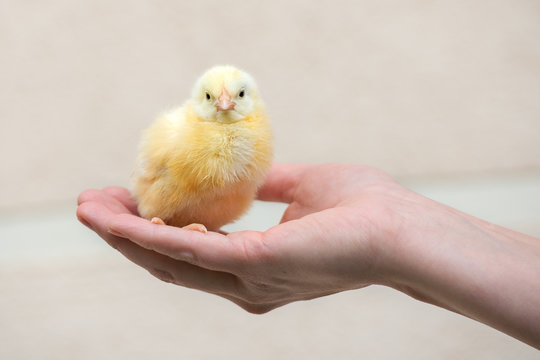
{"x": 282, "y": 181}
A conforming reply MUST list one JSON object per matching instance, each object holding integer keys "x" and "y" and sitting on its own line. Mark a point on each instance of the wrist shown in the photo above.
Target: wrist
{"x": 416, "y": 247}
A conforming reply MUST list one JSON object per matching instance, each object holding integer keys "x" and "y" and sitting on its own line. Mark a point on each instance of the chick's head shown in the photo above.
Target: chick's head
{"x": 225, "y": 94}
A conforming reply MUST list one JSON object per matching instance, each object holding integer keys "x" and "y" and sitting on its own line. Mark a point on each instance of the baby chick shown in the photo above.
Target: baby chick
{"x": 201, "y": 164}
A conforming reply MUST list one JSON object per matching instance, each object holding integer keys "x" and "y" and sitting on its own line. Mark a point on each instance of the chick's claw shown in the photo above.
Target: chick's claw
{"x": 157, "y": 221}
{"x": 196, "y": 227}
{"x": 193, "y": 227}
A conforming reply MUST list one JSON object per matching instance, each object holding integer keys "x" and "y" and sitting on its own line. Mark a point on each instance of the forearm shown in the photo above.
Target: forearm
{"x": 469, "y": 266}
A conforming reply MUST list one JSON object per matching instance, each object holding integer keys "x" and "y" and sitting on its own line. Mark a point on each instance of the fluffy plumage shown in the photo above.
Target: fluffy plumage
{"x": 203, "y": 162}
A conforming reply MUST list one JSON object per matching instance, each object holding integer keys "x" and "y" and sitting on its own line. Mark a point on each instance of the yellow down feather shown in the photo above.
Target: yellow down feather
{"x": 200, "y": 163}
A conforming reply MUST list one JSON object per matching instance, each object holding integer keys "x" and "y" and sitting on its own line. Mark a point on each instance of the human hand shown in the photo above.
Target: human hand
{"x": 346, "y": 227}
{"x": 330, "y": 238}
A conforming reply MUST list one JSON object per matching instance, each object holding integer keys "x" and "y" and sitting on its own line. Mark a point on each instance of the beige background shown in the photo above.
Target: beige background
{"x": 413, "y": 87}
{"x": 442, "y": 94}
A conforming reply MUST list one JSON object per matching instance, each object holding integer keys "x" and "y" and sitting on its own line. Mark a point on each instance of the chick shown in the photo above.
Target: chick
{"x": 199, "y": 166}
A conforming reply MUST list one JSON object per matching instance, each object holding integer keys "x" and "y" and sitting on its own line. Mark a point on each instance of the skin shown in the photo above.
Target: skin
{"x": 346, "y": 227}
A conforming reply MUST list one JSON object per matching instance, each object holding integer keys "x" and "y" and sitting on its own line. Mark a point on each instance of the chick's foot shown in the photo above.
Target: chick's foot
{"x": 157, "y": 221}
{"x": 193, "y": 227}
{"x": 196, "y": 227}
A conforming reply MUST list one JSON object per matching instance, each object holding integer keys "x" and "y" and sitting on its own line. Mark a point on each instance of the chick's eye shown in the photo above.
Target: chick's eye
{"x": 241, "y": 94}
{"x": 207, "y": 96}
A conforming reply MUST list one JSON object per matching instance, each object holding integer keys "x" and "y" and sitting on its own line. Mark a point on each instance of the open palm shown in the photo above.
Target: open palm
{"x": 324, "y": 244}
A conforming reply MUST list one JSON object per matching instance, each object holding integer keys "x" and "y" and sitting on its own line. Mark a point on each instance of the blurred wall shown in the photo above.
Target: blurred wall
{"x": 414, "y": 87}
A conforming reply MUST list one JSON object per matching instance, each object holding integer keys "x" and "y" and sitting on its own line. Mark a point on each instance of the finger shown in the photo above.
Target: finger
{"x": 95, "y": 215}
{"x": 123, "y": 196}
{"x": 102, "y": 197}
{"x": 212, "y": 250}
{"x": 161, "y": 266}
{"x": 87, "y": 195}
{"x": 181, "y": 273}
{"x": 281, "y": 182}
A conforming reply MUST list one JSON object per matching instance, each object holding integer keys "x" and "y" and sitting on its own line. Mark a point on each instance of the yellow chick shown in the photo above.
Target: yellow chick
{"x": 201, "y": 164}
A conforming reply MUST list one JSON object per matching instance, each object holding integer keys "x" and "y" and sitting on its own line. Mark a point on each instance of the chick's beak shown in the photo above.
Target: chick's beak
{"x": 224, "y": 101}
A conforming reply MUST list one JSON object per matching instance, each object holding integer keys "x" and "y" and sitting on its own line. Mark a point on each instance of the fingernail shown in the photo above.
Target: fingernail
{"x": 116, "y": 233}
